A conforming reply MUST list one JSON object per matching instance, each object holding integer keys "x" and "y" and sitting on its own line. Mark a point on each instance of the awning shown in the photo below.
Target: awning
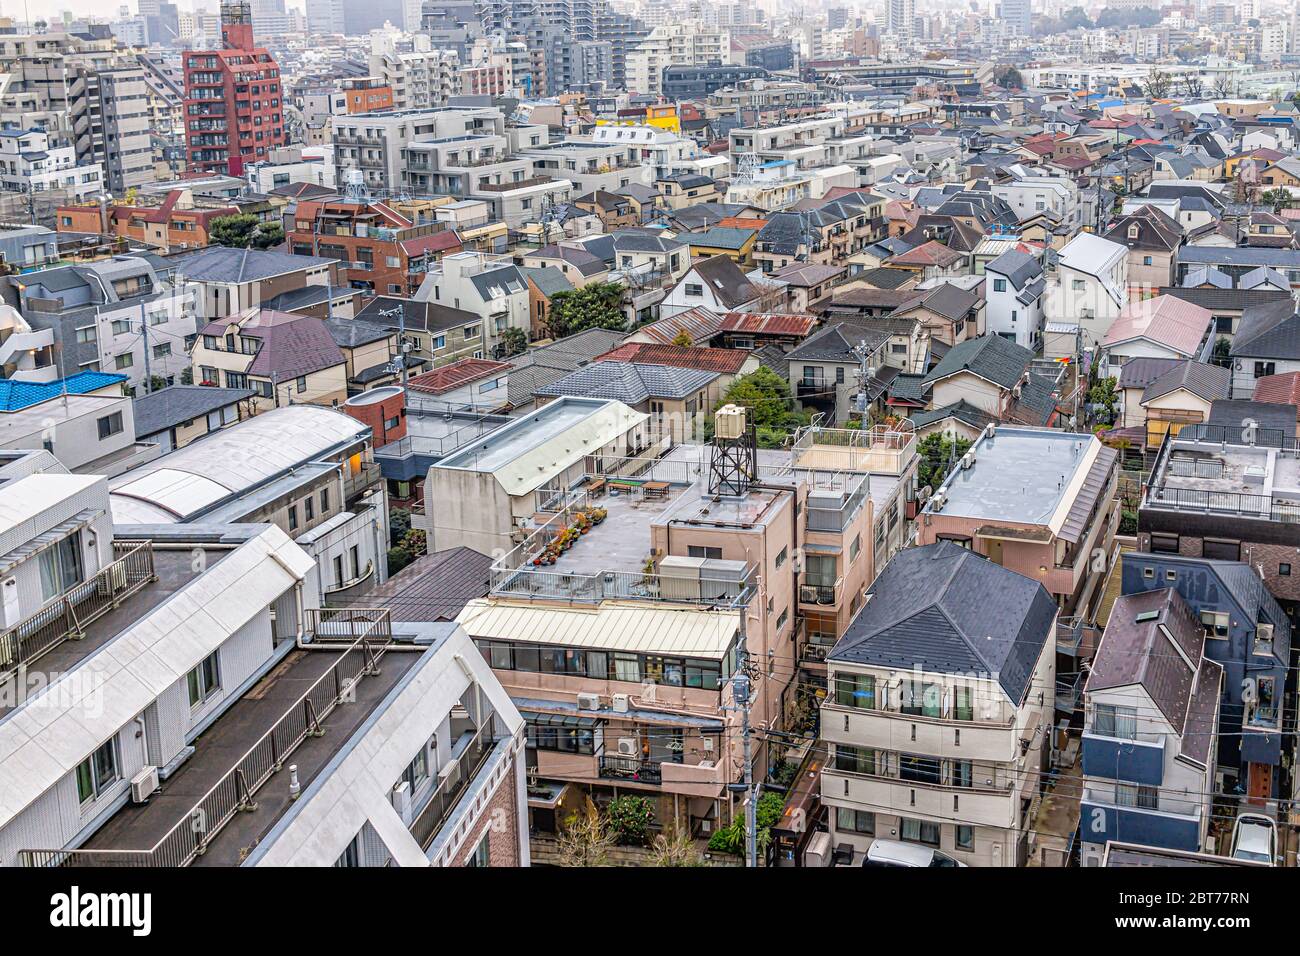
{"x": 559, "y": 720}
{"x": 60, "y": 531}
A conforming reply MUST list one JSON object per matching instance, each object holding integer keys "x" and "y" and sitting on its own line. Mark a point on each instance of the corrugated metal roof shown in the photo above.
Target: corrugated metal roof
{"x": 636, "y": 628}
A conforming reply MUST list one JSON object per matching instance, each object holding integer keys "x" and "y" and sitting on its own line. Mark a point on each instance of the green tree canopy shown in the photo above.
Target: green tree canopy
{"x": 244, "y": 231}
{"x": 937, "y": 453}
{"x": 597, "y": 305}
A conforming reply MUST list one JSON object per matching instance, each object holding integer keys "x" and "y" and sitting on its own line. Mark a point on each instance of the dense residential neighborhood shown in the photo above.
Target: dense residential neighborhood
{"x": 650, "y": 433}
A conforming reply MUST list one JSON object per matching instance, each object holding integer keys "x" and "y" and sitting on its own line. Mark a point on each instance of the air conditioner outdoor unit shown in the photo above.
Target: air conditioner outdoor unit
{"x": 707, "y": 743}
{"x": 449, "y": 768}
{"x": 402, "y": 799}
{"x": 589, "y": 702}
{"x": 621, "y": 703}
{"x": 143, "y": 784}
{"x": 627, "y": 747}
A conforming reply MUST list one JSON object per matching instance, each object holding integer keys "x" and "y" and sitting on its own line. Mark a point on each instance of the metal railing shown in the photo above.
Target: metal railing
{"x": 821, "y": 594}
{"x": 428, "y": 823}
{"x": 631, "y": 768}
{"x": 233, "y": 793}
{"x": 68, "y": 615}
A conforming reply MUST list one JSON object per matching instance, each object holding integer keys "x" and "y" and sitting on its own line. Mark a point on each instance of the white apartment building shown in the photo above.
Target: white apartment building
{"x": 678, "y": 44}
{"x": 29, "y": 163}
{"x": 663, "y": 152}
{"x": 423, "y": 78}
{"x": 944, "y": 746}
{"x": 1090, "y": 287}
{"x": 1030, "y": 196}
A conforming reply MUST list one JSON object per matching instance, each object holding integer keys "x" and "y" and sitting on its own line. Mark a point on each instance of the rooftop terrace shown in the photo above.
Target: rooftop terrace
{"x": 1201, "y": 473}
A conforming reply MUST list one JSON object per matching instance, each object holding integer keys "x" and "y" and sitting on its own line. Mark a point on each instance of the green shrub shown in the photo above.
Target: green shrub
{"x": 629, "y": 818}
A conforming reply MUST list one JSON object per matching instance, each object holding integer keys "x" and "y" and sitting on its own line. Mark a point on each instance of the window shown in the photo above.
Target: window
{"x": 97, "y": 772}
{"x": 60, "y": 567}
{"x": 1111, "y": 720}
{"x": 162, "y": 351}
{"x": 918, "y": 769}
{"x": 921, "y": 699}
{"x": 123, "y": 361}
{"x": 839, "y": 375}
{"x": 351, "y": 855}
{"x": 701, "y": 551}
{"x": 309, "y": 508}
{"x": 1077, "y": 285}
{"x": 855, "y": 547}
{"x": 848, "y": 820}
{"x": 1137, "y": 795}
{"x": 302, "y": 384}
{"x": 482, "y": 853}
{"x": 417, "y": 771}
{"x": 694, "y": 290}
{"x": 919, "y": 831}
{"x": 999, "y": 285}
{"x": 780, "y": 558}
{"x": 1222, "y": 550}
{"x": 1265, "y": 368}
{"x": 960, "y": 773}
{"x": 293, "y": 517}
{"x": 204, "y": 680}
{"x": 324, "y": 500}
{"x": 120, "y": 326}
{"x": 858, "y": 760}
{"x": 963, "y": 703}
{"x": 1215, "y": 623}
{"x": 1284, "y": 570}
{"x": 1164, "y": 544}
{"x": 856, "y": 690}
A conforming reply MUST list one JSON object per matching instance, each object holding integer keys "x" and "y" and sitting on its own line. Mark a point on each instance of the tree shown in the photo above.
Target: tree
{"x": 1009, "y": 77}
{"x": 683, "y": 339}
{"x": 628, "y": 819}
{"x": 938, "y": 453}
{"x": 1157, "y": 84}
{"x": 244, "y": 231}
{"x": 732, "y": 838}
{"x": 1193, "y": 87}
{"x": 1103, "y": 394}
{"x": 770, "y": 403}
{"x": 1278, "y": 199}
{"x": 513, "y": 342}
{"x": 597, "y": 305}
{"x": 187, "y": 375}
{"x": 1223, "y": 87}
{"x": 584, "y": 839}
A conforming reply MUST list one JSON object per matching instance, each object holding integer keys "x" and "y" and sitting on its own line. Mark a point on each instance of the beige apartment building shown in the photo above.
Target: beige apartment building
{"x": 941, "y": 710}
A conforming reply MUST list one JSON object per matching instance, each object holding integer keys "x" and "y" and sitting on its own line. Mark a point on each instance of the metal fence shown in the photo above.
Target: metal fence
{"x": 68, "y": 615}
{"x": 428, "y": 823}
{"x": 190, "y": 836}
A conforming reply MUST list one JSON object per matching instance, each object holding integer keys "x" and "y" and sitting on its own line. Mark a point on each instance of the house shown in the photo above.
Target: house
{"x": 1225, "y": 303}
{"x": 1052, "y": 533}
{"x": 1134, "y": 377}
{"x": 231, "y": 280}
{"x": 686, "y": 189}
{"x": 1283, "y": 389}
{"x": 612, "y": 209}
{"x": 1151, "y": 728}
{"x": 728, "y": 363}
{"x": 806, "y": 284}
{"x": 473, "y": 384}
{"x": 716, "y": 284}
{"x": 543, "y": 364}
{"x": 1248, "y": 633}
{"x": 1091, "y": 285}
{"x": 175, "y": 223}
{"x": 994, "y": 375}
{"x": 941, "y": 747}
{"x": 173, "y": 417}
{"x": 369, "y": 352}
{"x": 930, "y": 260}
{"x": 734, "y": 243}
{"x": 825, "y": 371}
{"x": 578, "y": 266}
{"x": 1266, "y": 343}
{"x": 1153, "y": 239}
{"x": 436, "y": 333}
{"x": 1182, "y": 395}
{"x": 285, "y": 359}
{"x": 543, "y": 285}
{"x": 1013, "y": 294}
{"x": 1161, "y": 327}
{"x": 675, "y": 399}
{"x": 947, "y": 312}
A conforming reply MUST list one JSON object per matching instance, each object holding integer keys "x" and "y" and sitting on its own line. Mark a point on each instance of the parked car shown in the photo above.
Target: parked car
{"x": 898, "y": 853}
{"x": 1254, "y": 838}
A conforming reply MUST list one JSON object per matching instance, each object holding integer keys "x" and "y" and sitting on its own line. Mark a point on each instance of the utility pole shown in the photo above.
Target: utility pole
{"x": 741, "y": 693}
{"x": 865, "y": 374}
{"x": 144, "y": 335}
{"x": 402, "y": 345}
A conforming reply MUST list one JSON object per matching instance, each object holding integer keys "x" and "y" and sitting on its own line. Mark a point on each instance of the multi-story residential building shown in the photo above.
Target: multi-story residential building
{"x": 1091, "y": 286}
{"x": 1061, "y": 534}
{"x": 1249, "y": 634}
{"x": 497, "y": 292}
{"x": 663, "y": 151}
{"x": 131, "y": 314}
{"x": 117, "y": 114}
{"x": 1030, "y": 196}
{"x": 234, "y": 114}
{"x": 1153, "y": 240}
{"x": 170, "y": 223}
{"x": 237, "y": 603}
{"x": 421, "y": 79}
{"x": 679, "y": 44}
{"x": 29, "y": 164}
{"x": 589, "y": 166}
{"x": 1013, "y": 295}
{"x": 380, "y": 249}
{"x": 1151, "y": 729}
{"x": 86, "y": 421}
{"x": 947, "y": 749}
{"x": 284, "y": 358}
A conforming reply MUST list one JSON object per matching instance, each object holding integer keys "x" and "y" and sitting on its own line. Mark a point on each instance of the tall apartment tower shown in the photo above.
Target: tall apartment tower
{"x": 901, "y": 18}
{"x": 1016, "y": 16}
{"x": 233, "y": 111}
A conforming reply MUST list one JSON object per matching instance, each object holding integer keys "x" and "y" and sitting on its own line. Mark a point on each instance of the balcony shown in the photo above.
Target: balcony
{"x": 984, "y": 739}
{"x": 631, "y": 769}
{"x": 67, "y": 616}
{"x": 1069, "y": 693}
{"x": 466, "y": 761}
{"x": 985, "y": 806}
{"x": 817, "y": 594}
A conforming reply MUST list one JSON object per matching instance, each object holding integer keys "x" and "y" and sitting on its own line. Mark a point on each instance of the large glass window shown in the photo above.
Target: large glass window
{"x": 856, "y": 690}
{"x": 858, "y": 759}
{"x": 919, "y": 831}
{"x": 848, "y": 820}
{"x": 97, "y": 772}
{"x": 204, "y": 680}
{"x": 917, "y": 769}
{"x": 1112, "y": 721}
{"x": 61, "y": 567}
{"x": 922, "y": 698}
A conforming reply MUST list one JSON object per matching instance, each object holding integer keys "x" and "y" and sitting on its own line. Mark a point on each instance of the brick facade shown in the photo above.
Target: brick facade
{"x": 500, "y": 821}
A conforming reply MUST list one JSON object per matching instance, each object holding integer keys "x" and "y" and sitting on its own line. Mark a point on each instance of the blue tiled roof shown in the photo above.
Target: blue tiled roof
{"x": 15, "y": 396}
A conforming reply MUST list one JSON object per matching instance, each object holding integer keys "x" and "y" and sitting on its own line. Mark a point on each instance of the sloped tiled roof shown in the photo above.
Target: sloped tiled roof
{"x": 292, "y": 345}
{"x": 1210, "y": 382}
{"x": 446, "y": 378}
{"x": 630, "y": 383}
{"x": 727, "y": 361}
{"x": 990, "y": 357}
{"x": 16, "y": 395}
{"x": 1281, "y": 389}
{"x": 835, "y": 344}
{"x": 1165, "y": 320}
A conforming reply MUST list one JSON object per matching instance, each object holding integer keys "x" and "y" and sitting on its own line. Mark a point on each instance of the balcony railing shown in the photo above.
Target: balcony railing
{"x": 68, "y": 616}
{"x": 234, "y": 792}
{"x": 824, "y": 595}
{"x": 631, "y": 768}
{"x": 428, "y": 823}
